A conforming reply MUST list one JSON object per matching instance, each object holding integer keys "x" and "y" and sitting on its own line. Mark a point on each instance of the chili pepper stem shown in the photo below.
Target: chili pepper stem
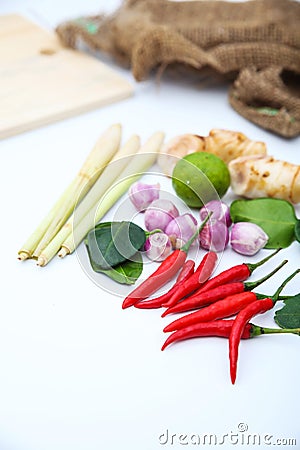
{"x": 257, "y": 330}
{"x": 275, "y": 297}
{"x": 253, "y": 266}
{"x": 156, "y": 230}
{"x": 186, "y": 246}
{"x": 253, "y": 284}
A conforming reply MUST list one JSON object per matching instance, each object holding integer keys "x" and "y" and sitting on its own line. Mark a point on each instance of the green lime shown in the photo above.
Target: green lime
{"x": 200, "y": 177}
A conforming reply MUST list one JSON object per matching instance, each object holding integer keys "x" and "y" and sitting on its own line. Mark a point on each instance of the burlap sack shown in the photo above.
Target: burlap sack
{"x": 255, "y": 43}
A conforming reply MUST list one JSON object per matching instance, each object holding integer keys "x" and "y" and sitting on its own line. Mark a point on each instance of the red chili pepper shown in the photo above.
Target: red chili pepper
{"x": 219, "y": 310}
{"x": 222, "y": 328}
{"x": 165, "y": 272}
{"x": 200, "y": 277}
{"x": 240, "y": 272}
{"x": 238, "y": 327}
{"x": 186, "y": 272}
{"x": 243, "y": 317}
{"x": 223, "y": 308}
{"x": 198, "y": 300}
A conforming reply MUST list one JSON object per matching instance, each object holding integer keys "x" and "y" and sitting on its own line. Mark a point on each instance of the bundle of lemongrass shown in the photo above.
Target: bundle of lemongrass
{"x": 91, "y": 194}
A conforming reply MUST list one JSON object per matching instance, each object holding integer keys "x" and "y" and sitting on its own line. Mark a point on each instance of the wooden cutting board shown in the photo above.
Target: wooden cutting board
{"x": 41, "y": 81}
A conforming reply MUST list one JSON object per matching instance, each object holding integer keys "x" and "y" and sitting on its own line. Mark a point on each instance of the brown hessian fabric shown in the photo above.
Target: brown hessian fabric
{"x": 254, "y": 43}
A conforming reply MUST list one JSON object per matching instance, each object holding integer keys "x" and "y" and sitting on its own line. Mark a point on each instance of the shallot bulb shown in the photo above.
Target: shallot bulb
{"x": 158, "y": 246}
{"x": 214, "y": 236}
{"x": 142, "y": 195}
{"x": 159, "y": 214}
{"x": 220, "y": 211}
{"x": 247, "y": 238}
{"x": 181, "y": 229}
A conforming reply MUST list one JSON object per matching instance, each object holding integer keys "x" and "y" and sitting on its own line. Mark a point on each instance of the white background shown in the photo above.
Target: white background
{"x": 76, "y": 371}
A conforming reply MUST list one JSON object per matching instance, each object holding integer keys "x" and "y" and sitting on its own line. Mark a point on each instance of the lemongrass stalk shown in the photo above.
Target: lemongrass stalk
{"x": 101, "y": 154}
{"x": 104, "y": 182}
{"x": 138, "y": 165}
{"x": 30, "y": 245}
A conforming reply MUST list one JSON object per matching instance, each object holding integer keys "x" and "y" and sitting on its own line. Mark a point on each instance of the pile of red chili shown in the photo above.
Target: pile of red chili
{"x": 214, "y": 300}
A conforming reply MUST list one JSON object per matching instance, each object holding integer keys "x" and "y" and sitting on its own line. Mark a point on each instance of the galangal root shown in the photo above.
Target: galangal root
{"x": 225, "y": 144}
{"x": 264, "y": 176}
{"x": 253, "y": 173}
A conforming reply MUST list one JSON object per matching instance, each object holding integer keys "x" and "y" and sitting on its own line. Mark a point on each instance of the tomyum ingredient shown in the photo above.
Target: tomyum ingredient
{"x": 240, "y": 322}
{"x": 142, "y": 195}
{"x": 111, "y": 243}
{"x": 159, "y": 214}
{"x": 104, "y": 149}
{"x": 222, "y": 328}
{"x": 244, "y": 316}
{"x": 196, "y": 280}
{"x": 240, "y": 272}
{"x": 181, "y": 229}
{"x": 264, "y": 176}
{"x": 229, "y": 145}
{"x": 226, "y": 307}
{"x": 225, "y": 144}
{"x": 214, "y": 236}
{"x": 177, "y": 148}
{"x": 276, "y": 217}
{"x": 157, "y": 302}
{"x": 139, "y": 163}
{"x": 158, "y": 246}
{"x": 247, "y": 238}
{"x": 199, "y": 178}
{"x": 197, "y": 301}
{"x": 220, "y": 212}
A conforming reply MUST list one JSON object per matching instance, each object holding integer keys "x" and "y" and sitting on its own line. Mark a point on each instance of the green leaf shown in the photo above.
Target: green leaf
{"x": 276, "y": 217}
{"x": 127, "y": 272}
{"x": 112, "y": 243}
{"x": 289, "y": 315}
{"x": 297, "y": 230}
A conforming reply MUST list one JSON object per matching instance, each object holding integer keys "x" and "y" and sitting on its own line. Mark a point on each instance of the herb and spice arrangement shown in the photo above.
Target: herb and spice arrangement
{"x": 199, "y": 172}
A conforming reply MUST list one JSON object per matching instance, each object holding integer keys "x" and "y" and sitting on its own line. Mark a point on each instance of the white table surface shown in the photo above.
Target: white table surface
{"x": 79, "y": 373}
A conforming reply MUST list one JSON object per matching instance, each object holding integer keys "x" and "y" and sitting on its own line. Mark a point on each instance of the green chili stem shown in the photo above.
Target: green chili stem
{"x": 275, "y": 297}
{"x": 257, "y": 331}
{"x": 149, "y": 233}
{"x": 253, "y": 284}
{"x": 253, "y": 266}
